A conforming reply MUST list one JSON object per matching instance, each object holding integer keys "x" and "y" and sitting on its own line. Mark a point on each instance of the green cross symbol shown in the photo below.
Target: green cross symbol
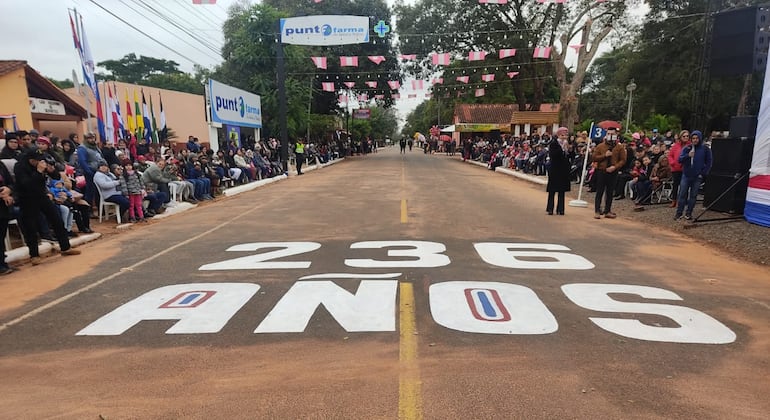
{"x": 381, "y": 29}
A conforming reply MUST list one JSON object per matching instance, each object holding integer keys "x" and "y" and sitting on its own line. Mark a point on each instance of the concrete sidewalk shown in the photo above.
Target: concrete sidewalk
{"x": 21, "y": 254}
{"x": 526, "y": 177}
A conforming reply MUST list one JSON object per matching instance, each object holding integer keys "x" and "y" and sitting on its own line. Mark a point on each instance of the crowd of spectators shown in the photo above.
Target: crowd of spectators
{"x": 52, "y": 186}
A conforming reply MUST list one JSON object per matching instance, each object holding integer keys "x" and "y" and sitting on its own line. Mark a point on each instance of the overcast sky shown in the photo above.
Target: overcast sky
{"x": 38, "y": 31}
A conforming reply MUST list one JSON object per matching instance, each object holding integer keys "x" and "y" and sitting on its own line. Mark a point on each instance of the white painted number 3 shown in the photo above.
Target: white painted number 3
{"x": 425, "y": 254}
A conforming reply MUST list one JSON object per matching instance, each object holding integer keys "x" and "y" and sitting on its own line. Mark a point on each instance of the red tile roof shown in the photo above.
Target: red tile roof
{"x": 7, "y": 66}
{"x": 484, "y": 113}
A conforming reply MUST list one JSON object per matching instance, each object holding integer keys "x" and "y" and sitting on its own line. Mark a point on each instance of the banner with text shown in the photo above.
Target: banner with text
{"x": 234, "y": 106}
{"x": 325, "y": 30}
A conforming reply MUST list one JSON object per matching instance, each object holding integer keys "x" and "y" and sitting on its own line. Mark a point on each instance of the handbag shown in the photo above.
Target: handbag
{"x": 80, "y": 181}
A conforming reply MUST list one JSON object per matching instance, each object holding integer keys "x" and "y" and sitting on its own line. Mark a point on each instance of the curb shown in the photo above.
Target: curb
{"x": 525, "y": 177}
{"x": 46, "y": 248}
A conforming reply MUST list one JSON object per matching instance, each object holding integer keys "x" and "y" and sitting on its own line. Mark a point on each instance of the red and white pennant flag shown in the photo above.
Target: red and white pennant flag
{"x": 542, "y": 52}
{"x": 407, "y": 56}
{"x": 438, "y": 80}
{"x": 348, "y": 61}
{"x": 440, "y": 59}
{"x": 343, "y": 99}
{"x": 477, "y": 55}
{"x": 376, "y": 59}
{"x": 463, "y": 79}
{"x": 493, "y": 1}
{"x": 379, "y": 96}
{"x": 412, "y": 95}
{"x": 363, "y": 97}
{"x": 576, "y": 47}
{"x": 395, "y": 96}
{"x": 327, "y": 86}
{"x": 512, "y": 74}
{"x": 320, "y": 62}
{"x": 350, "y": 85}
{"x": 488, "y": 77}
{"x": 418, "y": 85}
{"x": 371, "y": 84}
{"x": 428, "y": 95}
{"x": 394, "y": 84}
{"x": 479, "y": 92}
{"x": 507, "y": 52}
{"x": 204, "y": 1}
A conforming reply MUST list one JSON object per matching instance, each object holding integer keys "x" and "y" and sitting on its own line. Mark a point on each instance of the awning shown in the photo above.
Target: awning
{"x": 449, "y": 129}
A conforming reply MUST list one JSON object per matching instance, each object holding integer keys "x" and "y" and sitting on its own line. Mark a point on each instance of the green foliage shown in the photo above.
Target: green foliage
{"x": 181, "y": 82}
{"x": 62, "y": 84}
{"x": 133, "y": 69}
{"x": 663, "y": 123}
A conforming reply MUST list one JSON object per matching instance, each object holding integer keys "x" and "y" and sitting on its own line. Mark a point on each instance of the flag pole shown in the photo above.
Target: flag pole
{"x": 580, "y": 202}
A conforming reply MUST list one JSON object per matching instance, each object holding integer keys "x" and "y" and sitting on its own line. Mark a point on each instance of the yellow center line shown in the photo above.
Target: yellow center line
{"x": 409, "y": 396}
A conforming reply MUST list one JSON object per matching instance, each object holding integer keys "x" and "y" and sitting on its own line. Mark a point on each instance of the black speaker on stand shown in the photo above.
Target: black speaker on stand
{"x": 726, "y": 186}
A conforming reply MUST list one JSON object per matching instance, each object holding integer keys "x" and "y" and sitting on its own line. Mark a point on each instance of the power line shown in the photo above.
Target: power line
{"x": 203, "y": 42}
{"x": 196, "y": 11}
{"x": 168, "y": 31}
{"x": 144, "y": 33}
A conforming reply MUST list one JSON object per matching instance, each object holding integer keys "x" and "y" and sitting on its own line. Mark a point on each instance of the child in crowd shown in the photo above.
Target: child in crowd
{"x": 131, "y": 186}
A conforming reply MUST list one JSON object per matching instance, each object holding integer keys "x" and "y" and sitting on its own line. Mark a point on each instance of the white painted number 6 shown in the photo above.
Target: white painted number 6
{"x": 508, "y": 255}
{"x": 262, "y": 261}
{"x": 427, "y": 254}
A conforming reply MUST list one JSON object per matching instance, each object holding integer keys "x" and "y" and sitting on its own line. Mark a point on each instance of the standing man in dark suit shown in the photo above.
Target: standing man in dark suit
{"x": 558, "y": 172}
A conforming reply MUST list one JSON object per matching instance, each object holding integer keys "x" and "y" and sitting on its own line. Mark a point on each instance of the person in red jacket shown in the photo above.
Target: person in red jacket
{"x": 676, "y": 167}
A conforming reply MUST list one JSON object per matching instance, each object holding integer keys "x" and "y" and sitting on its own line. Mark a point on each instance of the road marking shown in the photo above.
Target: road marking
{"x": 350, "y": 276}
{"x": 123, "y": 270}
{"x": 409, "y": 396}
{"x": 403, "y": 212}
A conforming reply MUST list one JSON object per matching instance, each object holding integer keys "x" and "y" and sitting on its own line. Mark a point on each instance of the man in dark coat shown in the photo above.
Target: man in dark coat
{"x": 6, "y": 201}
{"x": 558, "y": 172}
{"x": 31, "y": 172}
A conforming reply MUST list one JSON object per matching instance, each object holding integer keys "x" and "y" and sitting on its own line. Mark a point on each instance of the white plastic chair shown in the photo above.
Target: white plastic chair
{"x": 106, "y": 208}
{"x": 8, "y": 233}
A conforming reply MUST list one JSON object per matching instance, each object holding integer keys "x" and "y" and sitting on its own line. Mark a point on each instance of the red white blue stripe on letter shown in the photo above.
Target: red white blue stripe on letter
{"x": 189, "y": 299}
{"x": 486, "y": 305}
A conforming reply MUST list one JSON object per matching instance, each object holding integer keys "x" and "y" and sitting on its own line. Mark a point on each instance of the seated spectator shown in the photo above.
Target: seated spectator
{"x": 62, "y": 198}
{"x": 109, "y": 185}
{"x": 185, "y": 189}
{"x": 240, "y": 163}
{"x": 11, "y": 150}
{"x": 194, "y": 174}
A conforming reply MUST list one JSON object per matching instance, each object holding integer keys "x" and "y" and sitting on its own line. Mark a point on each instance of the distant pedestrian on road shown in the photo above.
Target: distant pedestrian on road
{"x": 558, "y": 172}
{"x": 402, "y": 145}
{"x": 299, "y": 151}
{"x": 609, "y": 156}
{"x": 410, "y": 143}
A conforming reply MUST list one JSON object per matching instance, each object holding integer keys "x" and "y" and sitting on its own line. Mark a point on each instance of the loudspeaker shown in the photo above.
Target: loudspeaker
{"x": 733, "y": 201}
{"x": 738, "y": 45}
{"x": 743, "y": 126}
{"x": 731, "y": 156}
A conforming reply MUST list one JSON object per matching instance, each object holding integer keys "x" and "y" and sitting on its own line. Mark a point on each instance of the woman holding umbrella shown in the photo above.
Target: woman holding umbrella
{"x": 558, "y": 172}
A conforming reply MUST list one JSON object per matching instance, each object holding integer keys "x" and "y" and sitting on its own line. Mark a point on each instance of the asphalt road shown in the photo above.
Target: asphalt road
{"x": 389, "y": 286}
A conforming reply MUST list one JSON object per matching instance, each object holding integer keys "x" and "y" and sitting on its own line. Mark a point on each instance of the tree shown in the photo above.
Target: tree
{"x": 133, "y": 69}
{"x": 62, "y": 84}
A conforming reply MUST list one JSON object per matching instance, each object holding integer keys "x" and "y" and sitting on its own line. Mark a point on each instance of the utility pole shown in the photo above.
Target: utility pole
{"x": 630, "y": 88}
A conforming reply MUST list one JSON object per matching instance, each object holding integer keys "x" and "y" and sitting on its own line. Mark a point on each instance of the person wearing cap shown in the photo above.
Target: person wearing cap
{"x": 558, "y": 171}
{"x": 609, "y": 156}
{"x": 696, "y": 160}
{"x": 89, "y": 159}
{"x": 31, "y": 173}
{"x": 33, "y": 135}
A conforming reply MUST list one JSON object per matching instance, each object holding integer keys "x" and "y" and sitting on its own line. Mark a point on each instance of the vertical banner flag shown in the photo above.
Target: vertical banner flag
{"x": 154, "y": 131}
{"x": 488, "y": 77}
{"x": 440, "y": 59}
{"x": 163, "y": 131}
{"x": 394, "y": 84}
{"x": 542, "y": 52}
{"x": 121, "y": 128}
{"x": 507, "y": 52}
{"x": 463, "y": 79}
{"x": 376, "y": 59}
{"x": 109, "y": 122}
{"x": 147, "y": 134}
{"x": 757, "y": 208}
{"x": 372, "y": 84}
{"x": 130, "y": 121}
{"x": 88, "y": 74}
{"x": 348, "y": 61}
{"x": 327, "y": 86}
{"x": 477, "y": 55}
{"x": 138, "y": 115}
{"x": 320, "y": 62}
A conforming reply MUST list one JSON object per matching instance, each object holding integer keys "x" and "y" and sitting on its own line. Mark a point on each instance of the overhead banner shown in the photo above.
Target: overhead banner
{"x": 481, "y": 128}
{"x": 362, "y": 114}
{"x": 325, "y": 30}
{"x": 234, "y": 106}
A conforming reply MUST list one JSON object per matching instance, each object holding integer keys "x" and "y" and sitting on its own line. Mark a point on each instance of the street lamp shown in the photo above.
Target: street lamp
{"x": 630, "y": 88}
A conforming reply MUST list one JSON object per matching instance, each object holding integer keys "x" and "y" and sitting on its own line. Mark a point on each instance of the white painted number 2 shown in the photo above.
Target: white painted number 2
{"x": 263, "y": 261}
{"x": 425, "y": 254}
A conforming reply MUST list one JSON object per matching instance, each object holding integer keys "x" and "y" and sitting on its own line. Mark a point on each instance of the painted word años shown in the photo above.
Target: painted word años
{"x": 467, "y": 306}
